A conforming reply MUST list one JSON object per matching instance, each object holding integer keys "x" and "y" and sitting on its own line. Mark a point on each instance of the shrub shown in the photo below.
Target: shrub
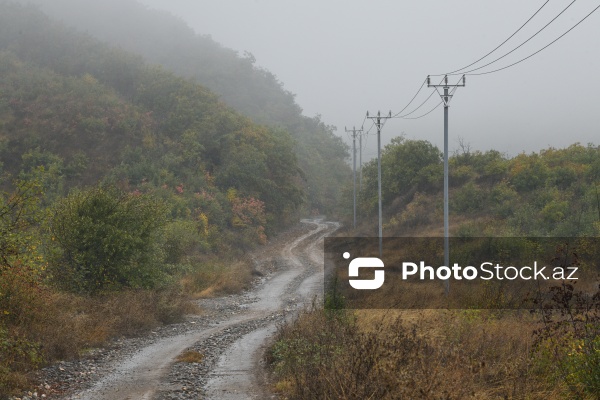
{"x": 21, "y": 303}
{"x": 326, "y": 355}
{"x": 528, "y": 172}
{"x": 502, "y": 199}
{"x": 181, "y": 239}
{"x": 468, "y": 198}
{"x": 17, "y": 355}
{"x": 568, "y": 343}
{"x": 107, "y": 239}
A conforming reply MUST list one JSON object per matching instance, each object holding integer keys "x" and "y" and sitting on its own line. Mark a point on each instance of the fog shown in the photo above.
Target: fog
{"x": 343, "y": 58}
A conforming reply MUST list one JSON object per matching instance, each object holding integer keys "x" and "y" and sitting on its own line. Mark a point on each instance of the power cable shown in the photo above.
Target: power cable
{"x": 543, "y": 48}
{"x": 501, "y": 44}
{"x": 434, "y": 108}
{"x": 362, "y": 125}
{"x": 420, "y": 105}
{"x": 369, "y": 130}
{"x": 413, "y": 99}
{"x": 518, "y": 47}
{"x": 428, "y": 112}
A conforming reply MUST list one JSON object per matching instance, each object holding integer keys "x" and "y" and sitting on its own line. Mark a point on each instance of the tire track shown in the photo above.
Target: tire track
{"x": 235, "y": 375}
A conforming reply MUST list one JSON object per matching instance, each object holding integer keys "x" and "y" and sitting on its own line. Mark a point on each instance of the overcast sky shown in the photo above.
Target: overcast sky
{"x": 344, "y": 57}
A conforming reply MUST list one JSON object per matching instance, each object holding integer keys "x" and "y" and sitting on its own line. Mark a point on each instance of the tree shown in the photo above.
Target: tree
{"x": 107, "y": 239}
{"x": 405, "y": 165}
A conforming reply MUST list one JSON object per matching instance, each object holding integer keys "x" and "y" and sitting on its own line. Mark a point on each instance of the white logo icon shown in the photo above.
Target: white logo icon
{"x": 365, "y": 262}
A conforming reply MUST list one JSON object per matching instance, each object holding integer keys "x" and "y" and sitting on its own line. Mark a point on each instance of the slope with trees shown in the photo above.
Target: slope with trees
{"x": 166, "y": 40}
{"x": 554, "y": 192}
{"x": 122, "y": 184}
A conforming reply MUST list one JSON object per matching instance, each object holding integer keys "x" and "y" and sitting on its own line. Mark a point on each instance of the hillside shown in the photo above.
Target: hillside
{"x": 125, "y": 190}
{"x": 97, "y": 113}
{"x": 166, "y": 40}
{"x": 554, "y": 192}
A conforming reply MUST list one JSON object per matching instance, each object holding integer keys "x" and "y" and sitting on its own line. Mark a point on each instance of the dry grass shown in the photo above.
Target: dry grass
{"x": 190, "y": 356}
{"x": 216, "y": 277}
{"x": 412, "y": 354}
{"x": 65, "y": 325}
{"x": 76, "y": 322}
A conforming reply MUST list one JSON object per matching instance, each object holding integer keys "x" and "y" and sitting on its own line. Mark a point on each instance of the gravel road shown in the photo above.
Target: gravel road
{"x": 230, "y": 335}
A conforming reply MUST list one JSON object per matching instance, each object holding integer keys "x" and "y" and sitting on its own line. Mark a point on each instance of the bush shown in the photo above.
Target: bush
{"x": 503, "y": 199}
{"x": 106, "y": 239}
{"x": 180, "y": 240}
{"x": 325, "y": 355}
{"x": 469, "y": 198}
{"x": 18, "y": 354}
{"x": 21, "y": 303}
{"x": 567, "y": 346}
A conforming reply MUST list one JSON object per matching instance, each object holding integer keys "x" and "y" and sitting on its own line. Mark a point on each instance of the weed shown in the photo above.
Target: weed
{"x": 190, "y": 356}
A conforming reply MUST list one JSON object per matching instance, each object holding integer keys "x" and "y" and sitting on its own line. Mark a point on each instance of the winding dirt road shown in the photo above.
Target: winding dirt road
{"x": 237, "y": 372}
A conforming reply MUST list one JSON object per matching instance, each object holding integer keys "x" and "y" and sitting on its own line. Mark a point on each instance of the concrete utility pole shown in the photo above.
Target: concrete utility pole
{"x": 360, "y": 161}
{"x": 354, "y": 133}
{"x": 446, "y": 97}
{"x": 378, "y": 119}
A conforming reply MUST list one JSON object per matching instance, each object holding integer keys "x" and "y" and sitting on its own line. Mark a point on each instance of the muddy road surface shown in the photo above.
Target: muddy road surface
{"x": 230, "y": 337}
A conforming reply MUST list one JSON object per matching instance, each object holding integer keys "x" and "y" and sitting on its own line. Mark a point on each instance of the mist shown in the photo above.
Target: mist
{"x": 344, "y": 58}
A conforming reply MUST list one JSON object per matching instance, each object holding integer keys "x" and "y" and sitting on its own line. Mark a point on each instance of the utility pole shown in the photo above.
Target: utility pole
{"x": 354, "y": 132}
{"x": 378, "y": 119}
{"x": 446, "y": 97}
{"x": 360, "y": 161}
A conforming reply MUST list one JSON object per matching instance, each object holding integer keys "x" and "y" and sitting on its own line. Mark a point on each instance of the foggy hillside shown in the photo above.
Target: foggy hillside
{"x": 164, "y": 39}
{"x": 85, "y": 113}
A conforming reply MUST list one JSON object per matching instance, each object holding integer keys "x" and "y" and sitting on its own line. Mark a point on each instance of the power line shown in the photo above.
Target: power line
{"x": 501, "y": 44}
{"x": 406, "y": 116}
{"x": 416, "y": 109}
{"x": 372, "y": 126}
{"x": 470, "y": 72}
{"x": 420, "y": 105}
{"x": 428, "y": 112}
{"x": 516, "y": 48}
{"x": 543, "y": 48}
{"x": 413, "y": 99}
{"x": 362, "y": 124}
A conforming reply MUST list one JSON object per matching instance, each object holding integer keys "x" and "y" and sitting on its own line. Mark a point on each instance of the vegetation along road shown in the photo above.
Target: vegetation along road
{"x": 218, "y": 354}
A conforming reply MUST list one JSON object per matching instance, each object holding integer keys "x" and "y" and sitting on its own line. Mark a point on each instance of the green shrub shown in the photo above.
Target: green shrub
{"x": 582, "y": 364}
{"x": 16, "y": 354}
{"x": 106, "y": 239}
{"x": 23, "y": 302}
{"x": 180, "y": 240}
{"x": 468, "y": 198}
{"x": 567, "y": 345}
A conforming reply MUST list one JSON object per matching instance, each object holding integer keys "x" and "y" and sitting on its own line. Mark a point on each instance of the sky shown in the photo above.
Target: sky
{"x": 342, "y": 58}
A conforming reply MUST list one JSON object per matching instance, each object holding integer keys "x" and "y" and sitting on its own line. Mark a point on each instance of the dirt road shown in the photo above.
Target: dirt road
{"x": 231, "y": 338}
